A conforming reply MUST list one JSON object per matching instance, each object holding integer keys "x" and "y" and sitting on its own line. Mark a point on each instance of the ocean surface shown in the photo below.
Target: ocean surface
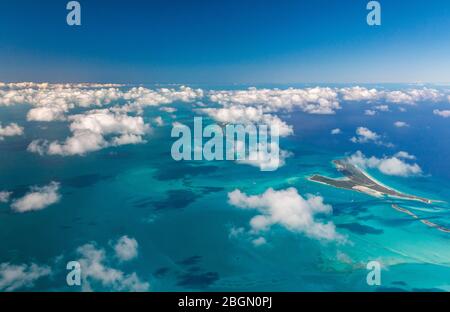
{"x": 180, "y": 215}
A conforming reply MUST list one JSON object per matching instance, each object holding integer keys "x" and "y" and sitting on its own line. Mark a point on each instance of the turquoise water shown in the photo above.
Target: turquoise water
{"x": 178, "y": 211}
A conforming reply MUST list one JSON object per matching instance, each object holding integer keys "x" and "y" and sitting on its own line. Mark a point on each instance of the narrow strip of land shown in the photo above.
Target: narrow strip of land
{"x": 424, "y": 221}
{"x": 358, "y": 180}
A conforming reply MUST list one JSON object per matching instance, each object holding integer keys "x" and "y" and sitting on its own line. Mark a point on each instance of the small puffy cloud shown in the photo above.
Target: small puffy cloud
{"x": 382, "y": 108}
{"x": 13, "y": 277}
{"x": 394, "y": 166}
{"x": 288, "y": 209}
{"x": 95, "y": 130}
{"x": 442, "y": 113}
{"x": 4, "y": 196}
{"x": 38, "y": 198}
{"x": 236, "y": 232}
{"x": 126, "y": 248}
{"x": 168, "y": 109}
{"x": 365, "y": 135}
{"x": 370, "y": 112}
{"x": 400, "y": 124}
{"x": 267, "y": 157}
{"x": 10, "y": 130}
{"x": 158, "y": 121}
{"x": 259, "y": 241}
{"x": 46, "y": 113}
{"x": 96, "y": 270}
{"x": 336, "y": 131}
{"x": 404, "y": 155}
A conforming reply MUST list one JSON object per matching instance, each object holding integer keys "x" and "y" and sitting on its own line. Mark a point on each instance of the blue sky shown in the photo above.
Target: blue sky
{"x": 245, "y": 41}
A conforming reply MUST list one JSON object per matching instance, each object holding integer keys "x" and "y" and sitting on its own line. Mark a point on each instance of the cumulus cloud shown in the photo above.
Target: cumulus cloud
{"x": 358, "y": 94}
{"x": 382, "y": 108}
{"x": 147, "y": 97}
{"x": 158, "y": 121}
{"x": 96, "y": 270}
{"x": 13, "y": 277}
{"x": 442, "y": 113}
{"x": 10, "y": 130}
{"x": 53, "y": 101}
{"x": 266, "y": 157}
{"x": 259, "y": 241}
{"x": 400, "y": 124}
{"x": 46, "y": 85}
{"x": 90, "y": 132}
{"x": 394, "y": 166}
{"x": 365, "y": 135}
{"x": 126, "y": 248}
{"x": 38, "y": 198}
{"x": 310, "y": 100}
{"x": 336, "y": 131}
{"x": 410, "y": 96}
{"x": 238, "y": 114}
{"x": 404, "y": 155}
{"x": 168, "y": 109}
{"x": 288, "y": 209}
{"x": 370, "y": 112}
{"x": 4, "y": 196}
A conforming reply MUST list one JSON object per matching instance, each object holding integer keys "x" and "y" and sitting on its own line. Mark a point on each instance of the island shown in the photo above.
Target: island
{"x": 358, "y": 180}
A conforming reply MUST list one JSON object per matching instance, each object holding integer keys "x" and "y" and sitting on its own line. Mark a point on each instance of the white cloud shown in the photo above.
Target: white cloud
{"x": 410, "y": 96}
{"x": 46, "y": 113}
{"x": 142, "y": 97}
{"x": 370, "y": 112}
{"x": 126, "y": 248}
{"x": 167, "y": 109}
{"x": 12, "y": 129}
{"x": 158, "y": 121}
{"x": 442, "y": 113}
{"x": 393, "y": 166}
{"x": 95, "y": 270}
{"x": 259, "y": 241}
{"x": 404, "y": 155}
{"x": 400, "y": 124}
{"x": 266, "y": 159}
{"x": 238, "y": 114}
{"x": 4, "y": 196}
{"x": 336, "y": 131}
{"x": 38, "y": 198}
{"x": 288, "y": 209}
{"x": 358, "y": 94}
{"x": 382, "y": 108}
{"x": 13, "y": 277}
{"x": 310, "y": 100}
{"x": 46, "y": 85}
{"x": 90, "y": 131}
{"x": 365, "y": 135}
{"x": 53, "y": 101}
